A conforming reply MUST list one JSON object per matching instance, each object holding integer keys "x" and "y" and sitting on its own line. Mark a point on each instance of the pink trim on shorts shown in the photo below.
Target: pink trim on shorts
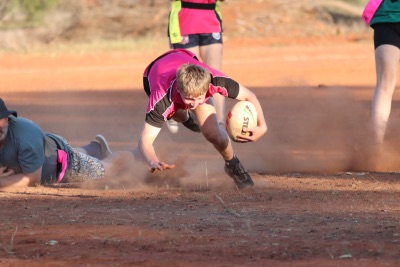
{"x": 370, "y": 9}
{"x": 62, "y": 157}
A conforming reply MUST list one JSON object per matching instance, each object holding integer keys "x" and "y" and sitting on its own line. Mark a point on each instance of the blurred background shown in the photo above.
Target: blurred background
{"x": 25, "y": 24}
{"x": 76, "y": 68}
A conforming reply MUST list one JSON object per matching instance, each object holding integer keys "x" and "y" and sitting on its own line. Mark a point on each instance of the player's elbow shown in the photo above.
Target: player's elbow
{"x": 31, "y": 179}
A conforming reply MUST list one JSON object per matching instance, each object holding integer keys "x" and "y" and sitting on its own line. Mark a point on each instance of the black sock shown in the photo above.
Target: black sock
{"x": 232, "y": 161}
{"x": 189, "y": 118}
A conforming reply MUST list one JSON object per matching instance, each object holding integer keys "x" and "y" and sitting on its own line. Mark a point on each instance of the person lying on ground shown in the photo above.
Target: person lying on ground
{"x": 30, "y": 156}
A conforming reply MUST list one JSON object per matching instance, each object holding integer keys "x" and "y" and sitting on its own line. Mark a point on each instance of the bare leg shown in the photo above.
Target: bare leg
{"x": 386, "y": 62}
{"x": 195, "y": 50}
{"x": 212, "y": 55}
{"x": 208, "y": 123}
{"x": 207, "y": 120}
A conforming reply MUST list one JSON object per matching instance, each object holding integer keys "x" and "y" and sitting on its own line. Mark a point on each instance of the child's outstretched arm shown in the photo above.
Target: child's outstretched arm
{"x": 145, "y": 144}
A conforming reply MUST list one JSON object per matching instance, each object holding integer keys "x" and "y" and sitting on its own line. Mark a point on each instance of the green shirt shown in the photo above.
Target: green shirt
{"x": 388, "y": 12}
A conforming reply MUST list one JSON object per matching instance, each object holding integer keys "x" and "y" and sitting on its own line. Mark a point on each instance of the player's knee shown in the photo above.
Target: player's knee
{"x": 216, "y": 137}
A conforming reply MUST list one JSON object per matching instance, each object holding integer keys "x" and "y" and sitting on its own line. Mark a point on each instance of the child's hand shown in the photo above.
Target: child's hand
{"x": 4, "y": 172}
{"x": 251, "y": 134}
{"x": 160, "y": 166}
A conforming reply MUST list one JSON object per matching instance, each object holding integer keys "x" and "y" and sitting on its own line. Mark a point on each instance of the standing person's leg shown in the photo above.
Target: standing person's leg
{"x": 386, "y": 61}
{"x": 195, "y": 50}
{"x": 208, "y": 123}
{"x": 387, "y": 55}
{"x": 212, "y": 56}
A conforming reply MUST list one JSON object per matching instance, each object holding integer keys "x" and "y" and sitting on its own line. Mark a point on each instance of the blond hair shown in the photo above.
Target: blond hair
{"x": 193, "y": 80}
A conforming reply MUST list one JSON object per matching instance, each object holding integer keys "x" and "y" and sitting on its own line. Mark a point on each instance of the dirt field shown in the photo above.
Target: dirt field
{"x": 319, "y": 199}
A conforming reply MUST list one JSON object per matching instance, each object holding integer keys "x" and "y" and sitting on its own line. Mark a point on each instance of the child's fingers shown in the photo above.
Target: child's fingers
{"x": 168, "y": 167}
{"x": 160, "y": 166}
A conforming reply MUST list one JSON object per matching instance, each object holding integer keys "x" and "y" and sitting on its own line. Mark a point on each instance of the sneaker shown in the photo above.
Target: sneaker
{"x": 239, "y": 175}
{"x": 173, "y": 126}
{"x": 105, "y": 149}
{"x": 191, "y": 123}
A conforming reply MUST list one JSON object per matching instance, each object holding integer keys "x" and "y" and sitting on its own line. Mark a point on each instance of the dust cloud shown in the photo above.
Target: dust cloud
{"x": 126, "y": 171}
{"x": 310, "y": 130}
{"x": 323, "y": 129}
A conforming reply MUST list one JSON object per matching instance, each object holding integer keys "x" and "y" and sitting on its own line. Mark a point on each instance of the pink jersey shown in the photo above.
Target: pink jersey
{"x": 197, "y": 21}
{"x": 159, "y": 83}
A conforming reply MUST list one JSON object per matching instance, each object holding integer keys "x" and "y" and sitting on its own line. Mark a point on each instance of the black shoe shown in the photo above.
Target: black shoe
{"x": 191, "y": 123}
{"x": 239, "y": 175}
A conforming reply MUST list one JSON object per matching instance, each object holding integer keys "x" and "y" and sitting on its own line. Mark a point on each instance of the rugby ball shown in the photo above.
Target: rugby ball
{"x": 242, "y": 115}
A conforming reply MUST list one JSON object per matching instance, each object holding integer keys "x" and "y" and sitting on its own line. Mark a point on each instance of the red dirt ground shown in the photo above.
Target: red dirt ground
{"x": 319, "y": 199}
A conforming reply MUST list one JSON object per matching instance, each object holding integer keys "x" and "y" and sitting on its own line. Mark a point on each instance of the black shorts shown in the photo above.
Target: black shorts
{"x": 386, "y": 33}
{"x": 193, "y": 40}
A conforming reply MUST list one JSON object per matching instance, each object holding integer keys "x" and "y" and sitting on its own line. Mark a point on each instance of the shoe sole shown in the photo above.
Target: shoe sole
{"x": 244, "y": 185}
{"x": 105, "y": 149}
{"x": 247, "y": 183}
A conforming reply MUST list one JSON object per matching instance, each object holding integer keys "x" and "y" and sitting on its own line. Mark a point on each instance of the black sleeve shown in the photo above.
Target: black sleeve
{"x": 231, "y": 86}
{"x": 154, "y": 119}
{"x": 155, "y": 116}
